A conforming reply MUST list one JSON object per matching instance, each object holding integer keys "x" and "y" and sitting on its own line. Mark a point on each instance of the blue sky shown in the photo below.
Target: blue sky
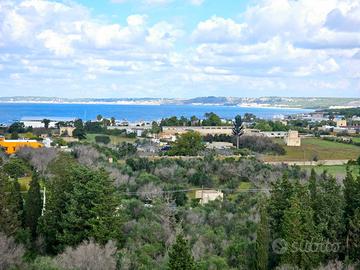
{"x": 179, "y": 48}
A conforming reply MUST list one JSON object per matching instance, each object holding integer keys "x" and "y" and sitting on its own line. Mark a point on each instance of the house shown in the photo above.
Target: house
{"x": 219, "y": 145}
{"x": 203, "y": 130}
{"x": 208, "y": 195}
{"x": 36, "y": 122}
{"x": 66, "y": 131}
{"x": 341, "y": 123}
{"x": 11, "y": 146}
{"x": 292, "y": 138}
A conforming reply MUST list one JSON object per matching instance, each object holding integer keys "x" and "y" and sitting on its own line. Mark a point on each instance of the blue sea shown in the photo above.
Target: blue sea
{"x": 10, "y": 112}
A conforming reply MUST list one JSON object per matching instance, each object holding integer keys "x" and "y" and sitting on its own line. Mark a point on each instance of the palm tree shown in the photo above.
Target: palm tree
{"x": 238, "y": 129}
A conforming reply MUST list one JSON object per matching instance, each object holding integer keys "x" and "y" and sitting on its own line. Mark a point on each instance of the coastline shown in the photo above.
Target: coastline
{"x": 120, "y": 103}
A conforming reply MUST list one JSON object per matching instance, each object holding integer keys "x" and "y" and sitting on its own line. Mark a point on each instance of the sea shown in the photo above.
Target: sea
{"x": 10, "y": 112}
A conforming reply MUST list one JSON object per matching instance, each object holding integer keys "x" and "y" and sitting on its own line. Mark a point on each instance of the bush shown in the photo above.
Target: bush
{"x": 102, "y": 139}
{"x": 261, "y": 145}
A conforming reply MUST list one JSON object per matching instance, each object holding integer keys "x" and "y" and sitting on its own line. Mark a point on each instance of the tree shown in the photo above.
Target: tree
{"x": 113, "y": 121}
{"x": 46, "y": 123}
{"x": 10, "y": 253}
{"x": 88, "y": 255}
{"x": 10, "y": 212}
{"x": 211, "y": 119}
{"x": 79, "y": 133}
{"x": 15, "y": 168}
{"x": 180, "y": 257}
{"x": 82, "y": 206}
{"x": 155, "y": 128}
{"x": 299, "y": 227}
{"x": 262, "y": 240}
{"x": 99, "y": 117}
{"x": 33, "y": 205}
{"x": 17, "y": 127}
{"x": 238, "y": 129}
{"x": 187, "y": 144}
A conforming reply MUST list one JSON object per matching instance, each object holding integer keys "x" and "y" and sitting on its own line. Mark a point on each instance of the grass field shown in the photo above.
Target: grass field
{"x": 335, "y": 170}
{"x": 114, "y": 139}
{"x": 312, "y": 148}
{"x": 356, "y": 139}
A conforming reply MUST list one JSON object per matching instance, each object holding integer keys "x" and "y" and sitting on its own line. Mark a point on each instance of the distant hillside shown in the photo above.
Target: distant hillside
{"x": 282, "y": 102}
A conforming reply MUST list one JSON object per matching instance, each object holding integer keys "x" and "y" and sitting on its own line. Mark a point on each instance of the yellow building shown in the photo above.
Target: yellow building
{"x": 341, "y": 123}
{"x": 11, "y": 146}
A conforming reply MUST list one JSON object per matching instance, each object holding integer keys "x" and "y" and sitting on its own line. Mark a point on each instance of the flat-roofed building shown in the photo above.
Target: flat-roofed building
{"x": 203, "y": 130}
{"x": 292, "y": 138}
{"x": 11, "y": 146}
{"x": 208, "y": 195}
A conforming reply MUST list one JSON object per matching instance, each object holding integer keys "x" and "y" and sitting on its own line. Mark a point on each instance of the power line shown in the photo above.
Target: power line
{"x": 195, "y": 189}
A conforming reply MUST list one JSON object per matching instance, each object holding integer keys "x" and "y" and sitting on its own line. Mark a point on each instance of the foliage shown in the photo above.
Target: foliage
{"x": 187, "y": 144}
{"x": 33, "y": 205}
{"x": 180, "y": 257}
{"x": 261, "y": 145}
{"x": 102, "y": 139}
{"x": 17, "y": 127}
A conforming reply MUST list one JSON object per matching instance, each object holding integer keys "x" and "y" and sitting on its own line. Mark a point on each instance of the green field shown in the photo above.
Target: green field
{"x": 314, "y": 148}
{"x": 335, "y": 170}
{"x": 356, "y": 139}
{"x": 114, "y": 139}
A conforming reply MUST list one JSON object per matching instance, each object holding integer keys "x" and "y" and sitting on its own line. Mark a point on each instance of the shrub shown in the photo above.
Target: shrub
{"x": 102, "y": 139}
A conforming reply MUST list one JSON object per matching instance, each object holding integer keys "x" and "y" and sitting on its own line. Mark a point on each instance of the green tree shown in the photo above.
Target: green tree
{"x": 299, "y": 227}
{"x": 262, "y": 240}
{"x": 155, "y": 128}
{"x": 16, "y": 168}
{"x": 187, "y": 144}
{"x": 83, "y": 206}
{"x": 180, "y": 257}
{"x": 211, "y": 119}
{"x": 238, "y": 129}
{"x": 99, "y": 117}
{"x": 17, "y": 127}
{"x": 329, "y": 210}
{"x": 33, "y": 205}
{"x": 354, "y": 239}
{"x": 10, "y": 212}
{"x": 46, "y": 123}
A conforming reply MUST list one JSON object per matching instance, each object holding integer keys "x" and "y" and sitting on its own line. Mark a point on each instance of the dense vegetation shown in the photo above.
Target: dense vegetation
{"x": 143, "y": 214}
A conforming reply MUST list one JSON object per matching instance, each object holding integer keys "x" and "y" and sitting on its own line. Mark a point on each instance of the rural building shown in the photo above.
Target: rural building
{"x": 36, "y": 122}
{"x": 219, "y": 145}
{"x": 11, "y": 146}
{"x": 341, "y": 123}
{"x": 203, "y": 130}
{"x": 66, "y": 131}
{"x": 274, "y": 134}
{"x": 208, "y": 195}
{"x": 292, "y": 138}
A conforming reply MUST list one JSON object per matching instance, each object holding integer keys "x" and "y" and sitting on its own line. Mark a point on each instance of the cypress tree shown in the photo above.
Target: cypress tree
{"x": 298, "y": 228}
{"x": 33, "y": 205}
{"x": 262, "y": 240}
{"x": 180, "y": 257}
{"x": 10, "y": 212}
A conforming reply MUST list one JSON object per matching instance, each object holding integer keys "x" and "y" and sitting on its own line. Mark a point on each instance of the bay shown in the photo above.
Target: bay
{"x": 10, "y": 112}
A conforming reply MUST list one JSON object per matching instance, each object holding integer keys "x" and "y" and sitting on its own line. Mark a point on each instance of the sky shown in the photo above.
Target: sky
{"x": 179, "y": 48}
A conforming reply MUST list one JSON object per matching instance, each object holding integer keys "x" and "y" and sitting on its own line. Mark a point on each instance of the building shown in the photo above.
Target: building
{"x": 292, "y": 138}
{"x": 66, "y": 131}
{"x": 203, "y": 130}
{"x": 219, "y": 145}
{"x": 274, "y": 134}
{"x": 208, "y": 195}
{"x": 36, "y": 122}
{"x": 341, "y": 123}
{"x": 11, "y": 146}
